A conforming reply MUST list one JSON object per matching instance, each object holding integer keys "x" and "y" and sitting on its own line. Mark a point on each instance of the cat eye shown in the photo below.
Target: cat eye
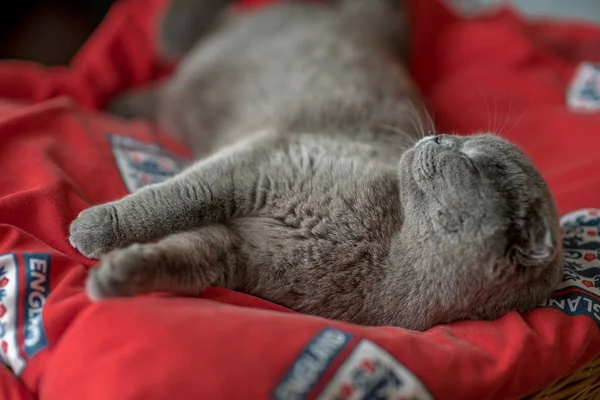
{"x": 438, "y": 139}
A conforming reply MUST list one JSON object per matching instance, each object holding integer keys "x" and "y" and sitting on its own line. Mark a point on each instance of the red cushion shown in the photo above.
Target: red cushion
{"x": 57, "y": 157}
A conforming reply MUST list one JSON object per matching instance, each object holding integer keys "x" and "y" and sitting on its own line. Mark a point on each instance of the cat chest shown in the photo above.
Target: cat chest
{"x": 311, "y": 239}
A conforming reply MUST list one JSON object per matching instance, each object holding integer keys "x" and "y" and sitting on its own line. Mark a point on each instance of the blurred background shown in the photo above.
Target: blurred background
{"x": 51, "y": 31}
{"x": 48, "y": 31}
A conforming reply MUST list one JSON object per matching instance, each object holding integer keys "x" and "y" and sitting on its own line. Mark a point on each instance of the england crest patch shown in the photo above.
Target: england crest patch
{"x": 371, "y": 373}
{"x": 583, "y": 94}
{"x": 37, "y": 290}
{"x": 579, "y": 293}
{"x": 10, "y": 354}
{"x": 310, "y": 365}
{"x": 143, "y": 164}
{"x": 35, "y": 274}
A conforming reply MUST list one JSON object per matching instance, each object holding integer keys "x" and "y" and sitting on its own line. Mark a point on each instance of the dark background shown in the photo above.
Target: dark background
{"x": 48, "y": 31}
{"x": 51, "y": 31}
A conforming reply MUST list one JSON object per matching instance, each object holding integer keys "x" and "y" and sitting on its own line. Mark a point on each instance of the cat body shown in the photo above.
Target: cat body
{"x": 293, "y": 67}
{"x": 314, "y": 187}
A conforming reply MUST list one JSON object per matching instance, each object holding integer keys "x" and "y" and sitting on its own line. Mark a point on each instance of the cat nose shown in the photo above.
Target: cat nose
{"x": 448, "y": 141}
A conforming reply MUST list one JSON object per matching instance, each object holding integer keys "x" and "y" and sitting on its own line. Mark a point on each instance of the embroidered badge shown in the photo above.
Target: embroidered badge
{"x": 311, "y": 364}
{"x": 579, "y": 293}
{"x": 9, "y": 312}
{"x": 371, "y": 373}
{"x": 583, "y": 94}
{"x": 37, "y": 290}
{"x": 143, "y": 164}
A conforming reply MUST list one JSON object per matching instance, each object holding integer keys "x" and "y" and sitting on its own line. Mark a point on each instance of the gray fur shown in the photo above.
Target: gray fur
{"x": 312, "y": 191}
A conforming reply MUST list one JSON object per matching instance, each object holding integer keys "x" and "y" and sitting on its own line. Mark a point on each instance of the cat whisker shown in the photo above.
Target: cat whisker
{"x": 412, "y": 122}
{"x": 420, "y": 121}
{"x": 405, "y": 135}
{"x": 516, "y": 122}
{"x": 507, "y": 116}
{"x": 415, "y": 120}
{"x": 495, "y": 127}
{"x": 430, "y": 121}
{"x": 489, "y": 115}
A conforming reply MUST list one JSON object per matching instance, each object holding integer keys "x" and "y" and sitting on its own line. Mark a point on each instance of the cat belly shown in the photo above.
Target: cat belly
{"x": 313, "y": 266}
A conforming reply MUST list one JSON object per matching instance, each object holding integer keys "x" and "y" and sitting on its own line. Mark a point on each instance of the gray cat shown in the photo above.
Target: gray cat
{"x": 315, "y": 187}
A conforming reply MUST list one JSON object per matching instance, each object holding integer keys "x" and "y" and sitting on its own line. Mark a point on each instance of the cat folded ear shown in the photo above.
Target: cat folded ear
{"x": 535, "y": 244}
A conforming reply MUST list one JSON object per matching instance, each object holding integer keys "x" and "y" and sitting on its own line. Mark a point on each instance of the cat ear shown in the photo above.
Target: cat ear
{"x": 535, "y": 245}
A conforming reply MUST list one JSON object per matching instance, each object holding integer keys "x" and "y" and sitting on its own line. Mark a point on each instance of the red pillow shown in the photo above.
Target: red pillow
{"x": 57, "y": 159}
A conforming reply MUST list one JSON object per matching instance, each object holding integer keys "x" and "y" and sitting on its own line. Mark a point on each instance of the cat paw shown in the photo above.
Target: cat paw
{"x": 121, "y": 273}
{"x": 93, "y": 231}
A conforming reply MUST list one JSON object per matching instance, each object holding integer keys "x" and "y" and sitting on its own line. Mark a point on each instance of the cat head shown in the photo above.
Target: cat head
{"x": 485, "y": 205}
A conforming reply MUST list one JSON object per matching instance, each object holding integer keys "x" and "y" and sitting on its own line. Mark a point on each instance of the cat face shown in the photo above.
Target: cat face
{"x": 490, "y": 219}
{"x": 484, "y": 191}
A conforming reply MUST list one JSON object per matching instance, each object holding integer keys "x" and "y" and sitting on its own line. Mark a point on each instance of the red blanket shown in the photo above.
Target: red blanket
{"x": 59, "y": 155}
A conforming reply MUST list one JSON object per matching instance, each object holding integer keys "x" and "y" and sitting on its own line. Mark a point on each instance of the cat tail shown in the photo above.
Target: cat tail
{"x": 187, "y": 21}
{"x": 387, "y": 20}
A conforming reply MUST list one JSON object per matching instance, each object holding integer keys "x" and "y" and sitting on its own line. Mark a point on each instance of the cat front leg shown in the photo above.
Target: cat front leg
{"x": 184, "y": 263}
{"x": 226, "y": 185}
